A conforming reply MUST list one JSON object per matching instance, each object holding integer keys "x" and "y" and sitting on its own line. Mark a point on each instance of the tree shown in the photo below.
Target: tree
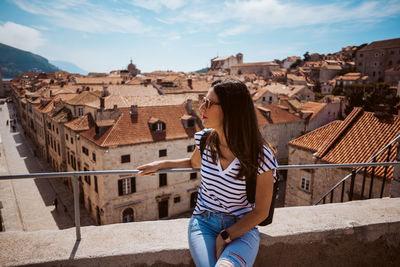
{"x": 317, "y": 87}
{"x": 306, "y": 56}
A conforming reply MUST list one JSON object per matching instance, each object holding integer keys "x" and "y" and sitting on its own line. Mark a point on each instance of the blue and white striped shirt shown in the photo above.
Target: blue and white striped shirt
{"x": 220, "y": 190}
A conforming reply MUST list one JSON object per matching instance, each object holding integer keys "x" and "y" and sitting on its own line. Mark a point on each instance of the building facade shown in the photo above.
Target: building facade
{"x": 377, "y": 57}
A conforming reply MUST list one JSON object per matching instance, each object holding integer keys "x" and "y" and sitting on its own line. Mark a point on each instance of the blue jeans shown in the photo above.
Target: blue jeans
{"x": 203, "y": 231}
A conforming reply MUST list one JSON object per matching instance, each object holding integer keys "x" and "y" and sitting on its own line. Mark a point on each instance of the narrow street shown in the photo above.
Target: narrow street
{"x": 28, "y": 203}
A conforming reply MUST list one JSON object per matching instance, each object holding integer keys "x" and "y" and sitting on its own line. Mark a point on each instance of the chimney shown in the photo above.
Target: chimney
{"x": 190, "y": 83}
{"x": 104, "y": 92}
{"x": 134, "y": 110}
{"x": 102, "y": 102}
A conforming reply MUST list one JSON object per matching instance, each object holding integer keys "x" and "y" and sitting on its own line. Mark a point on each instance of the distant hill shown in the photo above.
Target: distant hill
{"x": 201, "y": 71}
{"x": 15, "y": 61}
{"x": 68, "y": 66}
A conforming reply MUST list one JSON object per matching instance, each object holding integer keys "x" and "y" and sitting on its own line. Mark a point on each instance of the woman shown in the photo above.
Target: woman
{"x": 222, "y": 230}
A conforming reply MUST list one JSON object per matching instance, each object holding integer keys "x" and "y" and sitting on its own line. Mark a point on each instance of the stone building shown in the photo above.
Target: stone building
{"x": 271, "y": 94}
{"x": 263, "y": 69}
{"x": 278, "y": 126}
{"x": 287, "y": 62}
{"x": 374, "y": 59}
{"x": 328, "y": 70}
{"x": 124, "y": 140}
{"x": 225, "y": 63}
{"x": 352, "y": 140}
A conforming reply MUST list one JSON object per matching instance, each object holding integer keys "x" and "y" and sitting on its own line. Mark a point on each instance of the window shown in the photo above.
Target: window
{"x": 163, "y": 179}
{"x": 162, "y": 153}
{"x": 125, "y": 158}
{"x": 93, "y": 156}
{"x": 80, "y": 111}
{"x": 158, "y": 126}
{"x": 190, "y": 148}
{"x": 58, "y": 147}
{"x": 85, "y": 151}
{"x": 68, "y": 159}
{"x": 126, "y": 186}
{"x": 190, "y": 123}
{"x": 95, "y": 184}
{"x": 361, "y": 55}
{"x": 72, "y": 140}
{"x": 57, "y": 130}
{"x": 87, "y": 177}
{"x": 263, "y": 99}
{"x": 177, "y": 199}
{"x": 66, "y": 137}
{"x": 306, "y": 181}
{"x": 193, "y": 175}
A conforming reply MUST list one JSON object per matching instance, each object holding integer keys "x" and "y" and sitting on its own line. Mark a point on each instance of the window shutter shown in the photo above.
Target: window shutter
{"x": 133, "y": 185}
{"x": 120, "y": 187}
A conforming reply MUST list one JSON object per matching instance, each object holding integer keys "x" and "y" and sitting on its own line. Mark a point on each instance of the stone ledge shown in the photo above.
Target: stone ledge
{"x": 355, "y": 233}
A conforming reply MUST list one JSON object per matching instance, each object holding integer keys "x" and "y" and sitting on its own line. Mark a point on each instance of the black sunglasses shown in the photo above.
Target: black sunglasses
{"x": 208, "y": 103}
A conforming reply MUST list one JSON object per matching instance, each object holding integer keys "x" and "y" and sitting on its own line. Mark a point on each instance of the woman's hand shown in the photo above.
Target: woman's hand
{"x": 150, "y": 168}
{"x": 219, "y": 246}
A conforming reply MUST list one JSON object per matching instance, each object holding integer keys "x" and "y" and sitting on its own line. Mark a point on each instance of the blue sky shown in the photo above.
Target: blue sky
{"x": 180, "y": 35}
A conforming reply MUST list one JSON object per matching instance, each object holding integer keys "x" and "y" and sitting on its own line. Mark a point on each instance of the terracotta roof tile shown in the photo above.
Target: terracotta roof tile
{"x": 314, "y": 107}
{"x": 277, "y": 115}
{"x": 79, "y": 124}
{"x": 356, "y": 139}
{"x": 314, "y": 140}
{"x": 132, "y": 129}
{"x": 84, "y": 98}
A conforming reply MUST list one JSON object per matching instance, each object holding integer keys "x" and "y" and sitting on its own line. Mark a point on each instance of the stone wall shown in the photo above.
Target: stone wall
{"x": 323, "y": 179}
{"x": 358, "y": 233}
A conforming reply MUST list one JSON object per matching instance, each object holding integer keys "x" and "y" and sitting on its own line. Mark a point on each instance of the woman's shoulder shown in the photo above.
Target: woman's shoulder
{"x": 267, "y": 160}
{"x": 202, "y": 132}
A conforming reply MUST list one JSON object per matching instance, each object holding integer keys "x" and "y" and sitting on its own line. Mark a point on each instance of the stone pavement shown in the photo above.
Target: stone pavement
{"x": 28, "y": 203}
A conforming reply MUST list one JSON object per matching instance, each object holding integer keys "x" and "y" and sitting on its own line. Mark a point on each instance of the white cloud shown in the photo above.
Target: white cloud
{"x": 261, "y": 15}
{"x": 157, "y": 5}
{"x": 235, "y": 30}
{"x": 20, "y": 36}
{"x": 84, "y": 16}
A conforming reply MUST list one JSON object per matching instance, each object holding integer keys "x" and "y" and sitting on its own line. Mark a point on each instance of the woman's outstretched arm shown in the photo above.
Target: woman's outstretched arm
{"x": 193, "y": 162}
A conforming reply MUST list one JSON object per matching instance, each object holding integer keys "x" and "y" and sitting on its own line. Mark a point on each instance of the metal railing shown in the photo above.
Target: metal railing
{"x": 76, "y": 174}
{"x": 352, "y": 175}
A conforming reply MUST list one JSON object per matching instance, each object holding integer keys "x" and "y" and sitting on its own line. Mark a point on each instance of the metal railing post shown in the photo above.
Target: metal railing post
{"x": 353, "y": 177}
{"x": 76, "y": 207}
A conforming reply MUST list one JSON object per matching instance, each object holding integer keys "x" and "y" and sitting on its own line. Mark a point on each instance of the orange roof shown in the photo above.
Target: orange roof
{"x": 314, "y": 140}
{"x": 314, "y": 107}
{"x": 360, "y": 136}
{"x": 134, "y": 129}
{"x": 277, "y": 115}
{"x": 49, "y": 106}
{"x": 79, "y": 124}
{"x": 84, "y": 98}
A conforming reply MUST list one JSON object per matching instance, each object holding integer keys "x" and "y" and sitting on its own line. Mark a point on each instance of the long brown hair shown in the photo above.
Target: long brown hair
{"x": 239, "y": 126}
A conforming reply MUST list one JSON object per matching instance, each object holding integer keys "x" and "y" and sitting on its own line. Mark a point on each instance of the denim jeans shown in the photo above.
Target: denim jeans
{"x": 203, "y": 231}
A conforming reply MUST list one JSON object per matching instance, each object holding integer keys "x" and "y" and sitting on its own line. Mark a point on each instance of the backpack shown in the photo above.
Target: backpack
{"x": 250, "y": 187}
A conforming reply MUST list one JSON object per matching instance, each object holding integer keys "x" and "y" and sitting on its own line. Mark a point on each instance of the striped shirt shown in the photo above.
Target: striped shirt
{"x": 220, "y": 190}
